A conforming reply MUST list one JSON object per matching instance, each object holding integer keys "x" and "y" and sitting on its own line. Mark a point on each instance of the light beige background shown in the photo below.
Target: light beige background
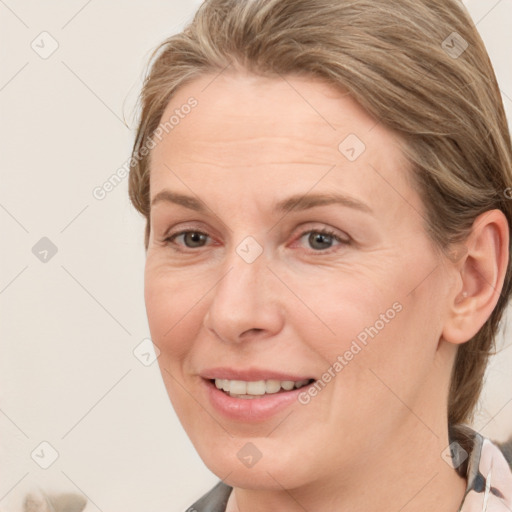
{"x": 69, "y": 326}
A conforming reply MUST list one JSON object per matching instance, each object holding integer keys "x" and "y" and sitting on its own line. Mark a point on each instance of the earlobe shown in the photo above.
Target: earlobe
{"x": 481, "y": 275}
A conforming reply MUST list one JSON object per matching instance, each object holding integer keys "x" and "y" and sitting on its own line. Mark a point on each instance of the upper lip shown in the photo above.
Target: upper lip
{"x": 249, "y": 374}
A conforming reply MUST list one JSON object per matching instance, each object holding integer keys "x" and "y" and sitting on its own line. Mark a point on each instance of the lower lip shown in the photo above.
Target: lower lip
{"x": 251, "y": 409}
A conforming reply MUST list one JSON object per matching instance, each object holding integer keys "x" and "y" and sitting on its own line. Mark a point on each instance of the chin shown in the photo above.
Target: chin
{"x": 239, "y": 463}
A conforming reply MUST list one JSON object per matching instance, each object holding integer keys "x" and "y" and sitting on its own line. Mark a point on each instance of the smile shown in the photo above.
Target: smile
{"x": 250, "y": 401}
{"x": 254, "y": 389}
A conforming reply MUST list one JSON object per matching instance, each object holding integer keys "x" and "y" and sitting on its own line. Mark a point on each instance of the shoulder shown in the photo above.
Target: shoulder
{"x": 489, "y": 477}
{"x": 214, "y": 500}
{"x": 506, "y": 448}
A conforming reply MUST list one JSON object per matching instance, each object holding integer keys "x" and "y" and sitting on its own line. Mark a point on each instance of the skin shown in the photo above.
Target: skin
{"x": 250, "y": 142}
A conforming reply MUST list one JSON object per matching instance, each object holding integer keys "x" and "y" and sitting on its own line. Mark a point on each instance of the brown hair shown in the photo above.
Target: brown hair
{"x": 418, "y": 66}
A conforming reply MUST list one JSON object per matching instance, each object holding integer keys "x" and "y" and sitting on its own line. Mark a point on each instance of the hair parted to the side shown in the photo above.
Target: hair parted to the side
{"x": 394, "y": 58}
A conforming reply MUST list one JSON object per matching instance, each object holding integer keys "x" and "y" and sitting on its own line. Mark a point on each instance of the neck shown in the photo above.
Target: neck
{"x": 408, "y": 474}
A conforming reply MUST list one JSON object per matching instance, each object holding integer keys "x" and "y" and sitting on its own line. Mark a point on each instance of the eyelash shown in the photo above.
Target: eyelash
{"x": 325, "y": 231}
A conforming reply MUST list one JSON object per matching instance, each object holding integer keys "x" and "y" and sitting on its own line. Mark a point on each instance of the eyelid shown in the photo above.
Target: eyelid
{"x": 170, "y": 236}
{"x": 340, "y": 235}
{"x": 333, "y": 233}
{"x": 182, "y": 226}
{"x": 189, "y": 226}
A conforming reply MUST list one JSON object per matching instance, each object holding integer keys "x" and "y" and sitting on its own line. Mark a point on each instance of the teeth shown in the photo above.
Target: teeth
{"x": 244, "y": 389}
{"x": 287, "y": 385}
{"x": 238, "y": 387}
{"x": 256, "y": 388}
{"x": 272, "y": 386}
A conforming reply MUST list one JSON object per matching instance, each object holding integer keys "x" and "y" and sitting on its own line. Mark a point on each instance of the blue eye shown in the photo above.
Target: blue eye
{"x": 321, "y": 239}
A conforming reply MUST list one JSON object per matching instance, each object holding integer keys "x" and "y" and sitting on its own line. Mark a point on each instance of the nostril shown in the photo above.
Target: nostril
{"x": 255, "y": 330}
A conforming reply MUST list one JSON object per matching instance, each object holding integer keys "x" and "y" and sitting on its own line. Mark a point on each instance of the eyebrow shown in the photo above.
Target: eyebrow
{"x": 294, "y": 203}
{"x": 173, "y": 197}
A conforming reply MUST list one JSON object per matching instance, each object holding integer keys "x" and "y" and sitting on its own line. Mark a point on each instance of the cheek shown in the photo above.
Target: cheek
{"x": 351, "y": 312}
{"x": 374, "y": 332}
{"x": 396, "y": 358}
{"x": 172, "y": 309}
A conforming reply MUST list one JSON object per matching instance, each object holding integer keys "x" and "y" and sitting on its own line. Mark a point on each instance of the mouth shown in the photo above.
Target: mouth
{"x": 248, "y": 390}
{"x": 252, "y": 394}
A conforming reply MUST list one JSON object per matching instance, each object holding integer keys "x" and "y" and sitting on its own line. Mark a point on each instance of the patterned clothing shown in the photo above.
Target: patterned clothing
{"x": 482, "y": 464}
{"x": 489, "y": 487}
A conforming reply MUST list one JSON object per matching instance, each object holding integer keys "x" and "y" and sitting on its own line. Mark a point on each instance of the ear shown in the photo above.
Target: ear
{"x": 481, "y": 273}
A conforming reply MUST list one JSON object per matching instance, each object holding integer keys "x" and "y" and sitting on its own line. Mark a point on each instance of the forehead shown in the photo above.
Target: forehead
{"x": 254, "y": 108}
{"x": 285, "y": 127}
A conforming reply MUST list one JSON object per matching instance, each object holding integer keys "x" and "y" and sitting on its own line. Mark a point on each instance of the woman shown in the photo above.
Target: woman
{"x": 325, "y": 185}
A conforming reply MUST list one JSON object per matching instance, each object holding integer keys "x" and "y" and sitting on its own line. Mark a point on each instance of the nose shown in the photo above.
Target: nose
{"x": 245, "y": 303}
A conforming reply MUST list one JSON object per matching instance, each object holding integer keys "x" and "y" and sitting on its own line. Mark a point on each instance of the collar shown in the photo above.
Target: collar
{"x": 489, "y": 478}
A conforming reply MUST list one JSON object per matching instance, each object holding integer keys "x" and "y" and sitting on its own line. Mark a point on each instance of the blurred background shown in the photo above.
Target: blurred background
{"x": 82, "y": 405}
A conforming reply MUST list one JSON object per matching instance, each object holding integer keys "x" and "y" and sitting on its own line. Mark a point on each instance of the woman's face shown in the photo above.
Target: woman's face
{"x": 248, "y": 289}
